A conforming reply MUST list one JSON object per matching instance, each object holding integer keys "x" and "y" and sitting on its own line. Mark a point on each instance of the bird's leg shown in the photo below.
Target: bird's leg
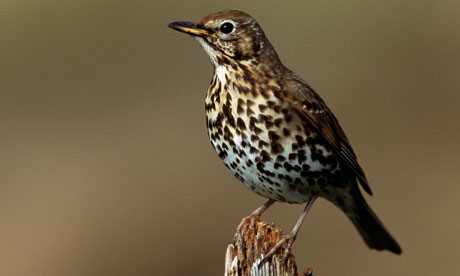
{"x": 289, "y": 239}
{"x": 253, "y": 218}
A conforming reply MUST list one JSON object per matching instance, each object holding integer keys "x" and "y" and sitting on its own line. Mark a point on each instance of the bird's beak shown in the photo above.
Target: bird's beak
{"x": 188, "y": 28}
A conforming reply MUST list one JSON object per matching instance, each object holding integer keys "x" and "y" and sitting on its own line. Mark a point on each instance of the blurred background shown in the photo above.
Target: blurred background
{"x": 106, "y": 167}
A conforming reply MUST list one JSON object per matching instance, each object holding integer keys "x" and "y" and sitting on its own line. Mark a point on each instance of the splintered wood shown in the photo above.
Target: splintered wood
{"x": 243, "y": 256}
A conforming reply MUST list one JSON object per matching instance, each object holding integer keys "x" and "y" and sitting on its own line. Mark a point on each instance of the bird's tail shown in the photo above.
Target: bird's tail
{"x": 369, "y": 226}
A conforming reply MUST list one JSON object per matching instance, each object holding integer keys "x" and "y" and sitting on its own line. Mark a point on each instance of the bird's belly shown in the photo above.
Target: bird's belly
{"x": 292, "y": 175}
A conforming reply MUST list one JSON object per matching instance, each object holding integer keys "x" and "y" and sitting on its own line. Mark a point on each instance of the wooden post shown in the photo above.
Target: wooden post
{"x": 244, "y": 255}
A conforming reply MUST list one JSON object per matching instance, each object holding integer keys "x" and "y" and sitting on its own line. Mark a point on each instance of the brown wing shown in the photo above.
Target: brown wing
{"x": 305, "y": 100}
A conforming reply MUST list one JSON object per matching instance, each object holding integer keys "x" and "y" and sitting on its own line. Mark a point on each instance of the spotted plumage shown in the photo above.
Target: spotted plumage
{"x": 273, "y": 131}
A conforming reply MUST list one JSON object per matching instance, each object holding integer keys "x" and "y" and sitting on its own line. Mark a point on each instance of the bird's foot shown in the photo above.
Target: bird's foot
{"x": 251, "y": 220}
{"x": 285, "y": 242}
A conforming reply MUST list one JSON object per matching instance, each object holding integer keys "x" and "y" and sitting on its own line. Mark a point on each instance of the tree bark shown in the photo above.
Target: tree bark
{"x": 244, "y": 255}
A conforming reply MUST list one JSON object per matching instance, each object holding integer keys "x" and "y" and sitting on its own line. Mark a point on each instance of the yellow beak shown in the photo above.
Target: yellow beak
{"x": 188, "y": 28}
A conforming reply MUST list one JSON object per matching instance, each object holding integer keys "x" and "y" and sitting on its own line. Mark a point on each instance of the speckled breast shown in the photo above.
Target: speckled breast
{"x": 265, "y": 145}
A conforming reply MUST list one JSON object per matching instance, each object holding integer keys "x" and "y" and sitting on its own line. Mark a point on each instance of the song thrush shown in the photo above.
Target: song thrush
{"x": 274, "y": 132}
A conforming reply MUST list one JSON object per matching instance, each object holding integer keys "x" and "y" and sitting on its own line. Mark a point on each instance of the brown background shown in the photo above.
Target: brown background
{"x": 106, "y": 168}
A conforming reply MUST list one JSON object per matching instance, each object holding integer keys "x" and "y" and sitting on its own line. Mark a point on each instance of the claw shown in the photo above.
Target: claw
{"x": 252, "y": 218}
{"x": 287, "y": 242}
{"x": 287, "y": 250}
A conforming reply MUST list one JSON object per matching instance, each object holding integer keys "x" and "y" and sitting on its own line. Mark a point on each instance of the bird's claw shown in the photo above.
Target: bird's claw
{"x": 287, "y": 242}
{"x": 252, "y": 219}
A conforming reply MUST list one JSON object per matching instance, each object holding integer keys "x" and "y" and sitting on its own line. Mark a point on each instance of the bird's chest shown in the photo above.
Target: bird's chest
{"x": 263, "y": 143}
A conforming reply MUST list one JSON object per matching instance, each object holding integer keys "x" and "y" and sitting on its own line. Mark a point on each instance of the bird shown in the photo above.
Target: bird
{"x": 274, "y": 132}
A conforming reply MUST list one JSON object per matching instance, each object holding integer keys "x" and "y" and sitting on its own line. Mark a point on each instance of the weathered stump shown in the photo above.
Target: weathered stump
{"x": 243, "y": 256}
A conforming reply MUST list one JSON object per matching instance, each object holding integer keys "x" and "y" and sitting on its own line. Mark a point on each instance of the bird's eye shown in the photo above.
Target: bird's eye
{"x": 226, "y": 28}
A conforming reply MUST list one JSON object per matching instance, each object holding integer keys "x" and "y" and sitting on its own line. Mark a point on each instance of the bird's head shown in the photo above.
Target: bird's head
{"x": 233, "y": 34}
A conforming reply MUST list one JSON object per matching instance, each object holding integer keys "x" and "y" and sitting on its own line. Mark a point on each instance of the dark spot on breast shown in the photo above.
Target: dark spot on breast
{"x": 227, "y": 111}
{"x": 273, "y": 136}
{"x": 280, "y": 158}
{"x": 238, "y": 131}
{"x": 227, "y": 60}
{"x": 216, "y": 98}
{"x": 264, "y": 93}
{"x": 265, "y": 156}
{"x": 238, "y": 77}
{"x": 288, "y": 166}
{"x": 240, "y": 123}
{"x": 286, "y": 132}
{"x": 268, "y": 124}
{"x": 219, "y": 59}
{"x": 249, "y": 111}
{"x": 210, "y": 106}
{"x": 271, "y": 104}
{"x": 302, "y": 156}
{"x": 268, "y": 180}
{"x": 252, "y": 122}
{"x": 262, "y": 144}
{"x": 305, "y": 170}
{"x": 265, "y": 118}
{"x": 277, "y": 94}
{"x": 227, "y": 134}
{"x": 277, "y": 148}
{"x": 278, "y": 122}
{"x": 262, "y": 107}
{"x": 223, "y": 154}
{"x": 240, "y": 108}
{"x": 253, "y": 150}
{"x": 260, "y": 167}
{"x": 300, "y": 141}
